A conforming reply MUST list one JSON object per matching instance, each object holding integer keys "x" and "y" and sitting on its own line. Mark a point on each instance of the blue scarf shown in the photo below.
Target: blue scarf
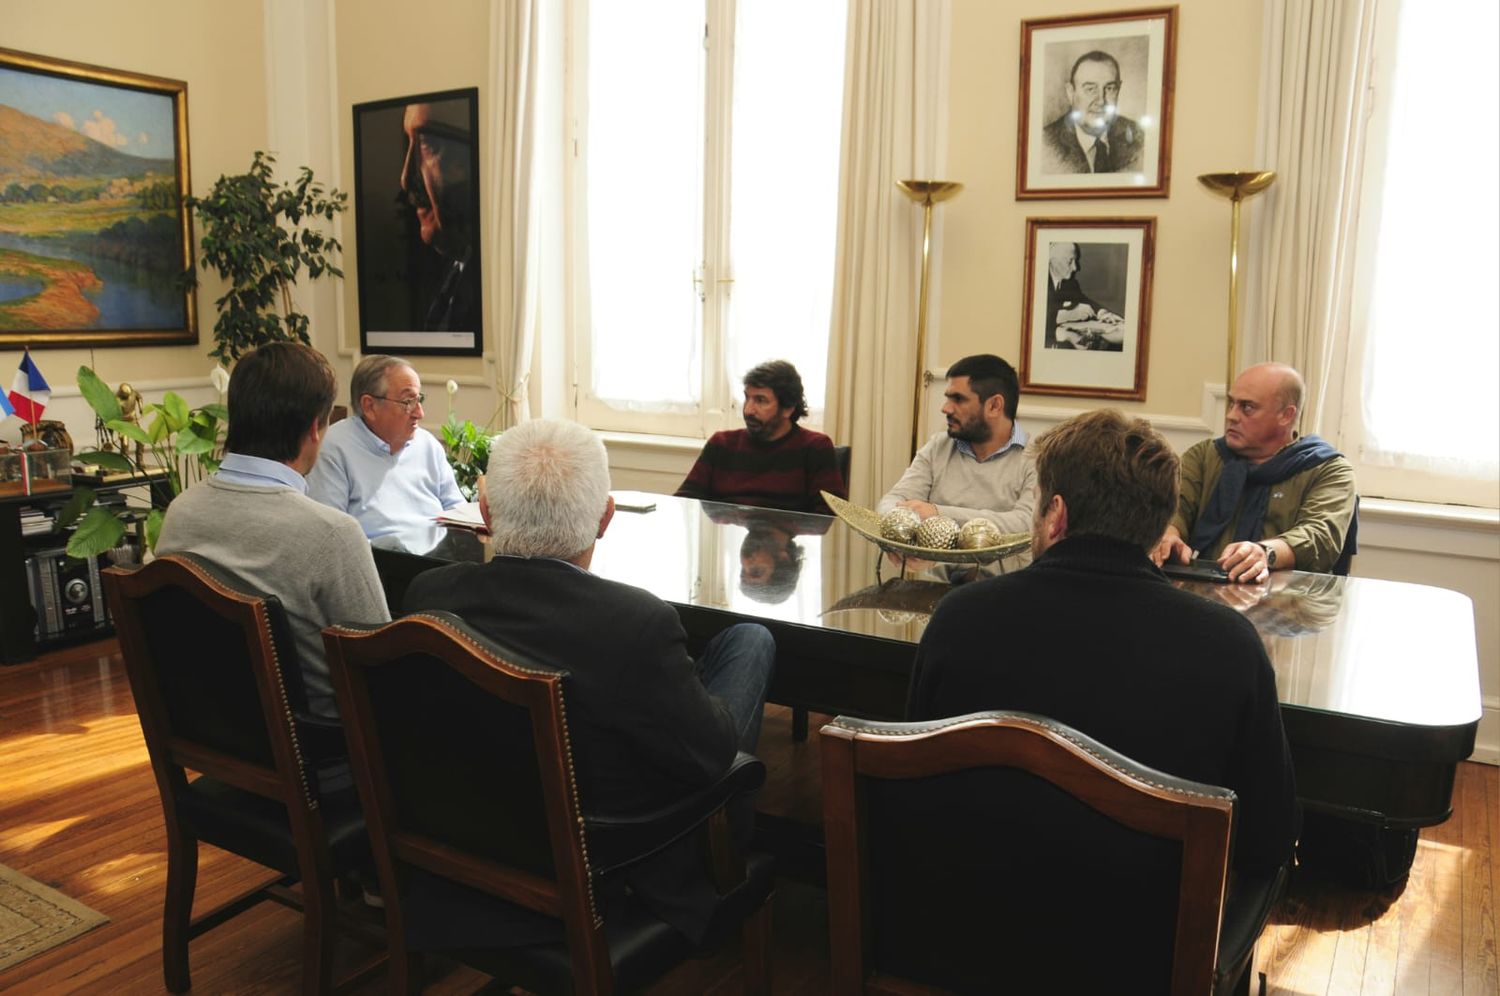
{"x": 1241, "y": 479}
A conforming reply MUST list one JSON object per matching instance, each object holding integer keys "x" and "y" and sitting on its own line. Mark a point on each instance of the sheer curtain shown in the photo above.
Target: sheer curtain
{"x": 1427, "y": 228}
{"x": 890, "y": 73}
{"x": 1315, "y": 77}
{"x": 1362, "y": 107}
{"x": 514, "y": 215}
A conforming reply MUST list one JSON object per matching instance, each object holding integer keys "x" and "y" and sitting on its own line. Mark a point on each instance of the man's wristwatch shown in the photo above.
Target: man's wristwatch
{"x": 1270, "y": 555}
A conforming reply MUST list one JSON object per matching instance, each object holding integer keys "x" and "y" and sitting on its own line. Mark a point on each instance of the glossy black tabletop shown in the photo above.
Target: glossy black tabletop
{"x": 1381, "y": 650}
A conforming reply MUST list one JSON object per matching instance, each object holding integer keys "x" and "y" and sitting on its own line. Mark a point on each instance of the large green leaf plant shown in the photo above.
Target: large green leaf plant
{"x": 186, "y": 444}
{"x": 260, "y": 235}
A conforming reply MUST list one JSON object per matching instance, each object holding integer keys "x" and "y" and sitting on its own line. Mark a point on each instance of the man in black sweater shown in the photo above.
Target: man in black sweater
{"x": 1093, "y": 635}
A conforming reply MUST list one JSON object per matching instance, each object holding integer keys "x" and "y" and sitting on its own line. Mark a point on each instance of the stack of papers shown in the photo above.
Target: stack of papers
{"x": 634, "y": 501}
{"x": 466, "y": 515}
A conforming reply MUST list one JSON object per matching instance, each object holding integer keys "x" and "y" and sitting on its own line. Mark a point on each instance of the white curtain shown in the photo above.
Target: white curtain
{"x": 887, "y": 135}
{"x": 514, "y": 215}
{"x": 1315, "y": 75}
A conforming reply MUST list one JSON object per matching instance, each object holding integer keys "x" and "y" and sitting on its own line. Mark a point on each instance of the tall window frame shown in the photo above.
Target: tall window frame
{"x": 715, "y": 367}
{"x": 1377, "y": 338}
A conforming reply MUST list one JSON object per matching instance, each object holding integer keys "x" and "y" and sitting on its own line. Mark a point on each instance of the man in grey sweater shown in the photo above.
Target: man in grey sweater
{"x": 254, "y": 521}
{"x": 980, "y": 465}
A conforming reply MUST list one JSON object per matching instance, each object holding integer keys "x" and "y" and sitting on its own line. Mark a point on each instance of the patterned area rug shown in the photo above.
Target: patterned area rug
{"x": 35, "y": 918}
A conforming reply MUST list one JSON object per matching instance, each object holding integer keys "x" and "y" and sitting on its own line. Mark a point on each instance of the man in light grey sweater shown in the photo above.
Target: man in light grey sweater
{"x": 980, "y": 465}
{"x": 254, "y": 521}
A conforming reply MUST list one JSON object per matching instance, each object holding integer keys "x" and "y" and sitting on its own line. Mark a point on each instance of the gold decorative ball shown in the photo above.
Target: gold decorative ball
{"x": 937, "y": 533}
{"x": 977, "y": 534}
{"x": 900, "y": 524}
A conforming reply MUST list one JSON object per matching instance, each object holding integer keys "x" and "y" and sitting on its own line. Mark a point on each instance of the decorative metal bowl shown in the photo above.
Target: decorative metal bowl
{"x": 866, "y": 522}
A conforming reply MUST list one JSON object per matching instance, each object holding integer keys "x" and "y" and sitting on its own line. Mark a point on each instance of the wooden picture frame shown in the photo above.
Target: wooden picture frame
{"x": 1096, "y": 105}
{"x": 417, "y": 224}
{"x": 1087, "y": 311}
{"x": 94, "y": 233}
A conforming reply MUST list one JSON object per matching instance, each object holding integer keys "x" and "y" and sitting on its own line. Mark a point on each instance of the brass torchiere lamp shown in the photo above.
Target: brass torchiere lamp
{"x": 1236, "y": 187}
{"x": 927, "y": 193}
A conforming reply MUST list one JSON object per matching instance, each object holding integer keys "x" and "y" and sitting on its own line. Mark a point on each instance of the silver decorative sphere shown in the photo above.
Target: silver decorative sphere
{"x": 937, "y": 533}
{"x": 900, "y": 524}
{"x": 977, "y": 534}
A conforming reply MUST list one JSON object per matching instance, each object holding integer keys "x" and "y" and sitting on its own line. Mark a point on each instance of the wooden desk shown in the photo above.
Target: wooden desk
{"x": 1378, "y": 680}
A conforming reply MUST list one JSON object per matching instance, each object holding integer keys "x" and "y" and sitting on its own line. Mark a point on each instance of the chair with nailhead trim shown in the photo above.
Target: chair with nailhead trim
{"x": 461, "y": 753}
{"x": 218, "y": 689}
{"x": 1002, "y": 851}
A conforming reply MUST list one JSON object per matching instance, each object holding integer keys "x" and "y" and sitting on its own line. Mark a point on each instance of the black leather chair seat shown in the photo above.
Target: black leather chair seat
{"x": 258, "y": 828}
{"x": 642, "y": 947}
{"x": 1246, "y": 910}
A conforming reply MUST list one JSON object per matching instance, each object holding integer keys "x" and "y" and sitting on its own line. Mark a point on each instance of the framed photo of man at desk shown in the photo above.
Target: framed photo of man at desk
{"x": 1087, "y": 310}
{"x": 1096, "y": 105}
{"x": 417, "y": 222}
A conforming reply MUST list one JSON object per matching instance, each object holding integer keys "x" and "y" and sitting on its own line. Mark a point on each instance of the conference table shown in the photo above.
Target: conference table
{"x": 1378, "y": 680}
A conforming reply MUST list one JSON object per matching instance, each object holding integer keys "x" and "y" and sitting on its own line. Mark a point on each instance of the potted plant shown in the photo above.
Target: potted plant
{"x": 186, "y": 445}
{"x": 259, "y": 235}
{"x": 467, "y": 447}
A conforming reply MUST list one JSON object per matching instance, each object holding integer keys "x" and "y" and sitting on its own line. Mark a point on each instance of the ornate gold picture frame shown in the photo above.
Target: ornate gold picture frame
{"x": 94, "y": 233}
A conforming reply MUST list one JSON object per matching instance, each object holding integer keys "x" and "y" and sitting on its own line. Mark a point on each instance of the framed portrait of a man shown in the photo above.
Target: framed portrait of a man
{"x": 1087, "y": 310}
{"x": 1096, "y": 105}
{"x": 416, "y": 218}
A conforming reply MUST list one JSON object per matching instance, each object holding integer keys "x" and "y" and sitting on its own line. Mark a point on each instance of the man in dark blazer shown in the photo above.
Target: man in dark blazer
{"x": 647, "y": 724}
{"x": 1093, "y": 137}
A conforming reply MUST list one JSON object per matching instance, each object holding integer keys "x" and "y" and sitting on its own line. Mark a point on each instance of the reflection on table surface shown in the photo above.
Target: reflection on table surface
{"x": 1379, "y": 649}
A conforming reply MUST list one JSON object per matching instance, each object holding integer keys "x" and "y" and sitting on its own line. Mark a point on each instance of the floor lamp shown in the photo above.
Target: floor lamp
{"x": 927, "y": 193}
{"x": 1236, "y": 187}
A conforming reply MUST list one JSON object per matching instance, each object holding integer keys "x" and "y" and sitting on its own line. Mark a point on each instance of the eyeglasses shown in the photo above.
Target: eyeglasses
{"x": 410, "y": 404}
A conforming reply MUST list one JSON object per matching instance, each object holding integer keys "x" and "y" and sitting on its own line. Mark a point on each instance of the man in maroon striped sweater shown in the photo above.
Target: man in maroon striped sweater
{"x": 773, "y": 462}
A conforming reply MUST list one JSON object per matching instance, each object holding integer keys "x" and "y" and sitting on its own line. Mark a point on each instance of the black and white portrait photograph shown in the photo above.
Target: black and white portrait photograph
{"x": 1096, "y": 96}
{"x": 1087, "y": 306}
{"x": 417, "y": 223}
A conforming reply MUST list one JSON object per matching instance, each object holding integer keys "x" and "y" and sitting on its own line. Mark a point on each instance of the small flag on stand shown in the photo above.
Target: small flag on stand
{"x": 6, "y": 411}
{"x": 29, "y": 392}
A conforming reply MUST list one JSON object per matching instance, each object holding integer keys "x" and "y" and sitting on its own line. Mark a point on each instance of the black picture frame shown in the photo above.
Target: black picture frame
{"x": 417, "y": 224}
{"x": 95, "y": 235}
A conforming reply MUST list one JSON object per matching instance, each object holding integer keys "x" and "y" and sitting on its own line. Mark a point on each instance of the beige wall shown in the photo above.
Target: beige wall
{"x": 983, "y": 252}
{"x": 386, "y": 50}
{"x": 218, "y": 48}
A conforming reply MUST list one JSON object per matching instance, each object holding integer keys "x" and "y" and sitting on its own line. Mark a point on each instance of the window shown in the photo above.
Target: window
{"x": 1425, "y": 415}
{"x": 704, "y": 203}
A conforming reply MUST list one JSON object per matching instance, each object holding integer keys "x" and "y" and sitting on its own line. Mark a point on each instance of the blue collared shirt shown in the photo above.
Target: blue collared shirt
{"x": 259, "y": 472}
{"x": 1018, "y": 438}
{"x": 387, "y": 492}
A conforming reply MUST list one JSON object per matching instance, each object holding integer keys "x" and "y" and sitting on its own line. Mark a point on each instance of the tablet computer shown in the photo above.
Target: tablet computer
{"x": 1201, "y": 569}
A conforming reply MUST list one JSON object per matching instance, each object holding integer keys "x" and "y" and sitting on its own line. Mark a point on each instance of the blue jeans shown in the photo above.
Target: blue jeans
{"x": 736, "y": 666}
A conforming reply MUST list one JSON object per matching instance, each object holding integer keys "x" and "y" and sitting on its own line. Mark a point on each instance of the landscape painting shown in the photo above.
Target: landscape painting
{"x": 94, "y": 234}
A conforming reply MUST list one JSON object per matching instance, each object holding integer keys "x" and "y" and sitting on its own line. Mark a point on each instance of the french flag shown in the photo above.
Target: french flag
{"x": 29, "y": 392}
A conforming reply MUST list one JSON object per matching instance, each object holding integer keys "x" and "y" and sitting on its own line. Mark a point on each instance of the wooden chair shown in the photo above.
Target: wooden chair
{"x": 1004, "y": 851}
{"x": 216, "y": 683}
{"x": 462, "y": 757}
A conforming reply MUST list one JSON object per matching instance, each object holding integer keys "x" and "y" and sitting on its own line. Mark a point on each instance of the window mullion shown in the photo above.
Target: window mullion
{"x": 718, "y": 280}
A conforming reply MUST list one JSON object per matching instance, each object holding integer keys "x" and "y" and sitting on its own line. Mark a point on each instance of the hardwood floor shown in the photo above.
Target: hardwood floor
{"x": 79, "y": 811}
